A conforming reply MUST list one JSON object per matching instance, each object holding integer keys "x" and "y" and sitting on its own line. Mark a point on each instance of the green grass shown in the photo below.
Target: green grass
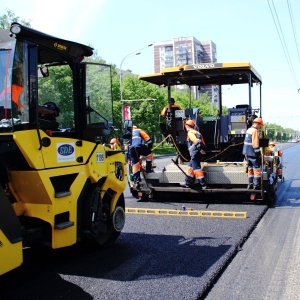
{"x": 164, "y": 149}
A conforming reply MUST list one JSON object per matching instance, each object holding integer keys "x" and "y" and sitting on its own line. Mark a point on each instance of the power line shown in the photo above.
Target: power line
{"x": 283, "y": 42}
{"x": 294, "y": 29}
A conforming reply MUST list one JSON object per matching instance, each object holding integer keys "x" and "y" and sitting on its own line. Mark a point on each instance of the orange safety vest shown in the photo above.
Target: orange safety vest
{"x": 15, "y": 91}
{"x": 139, "y": 135}
{"x": 166, "y": 108}
{"x": 251, "y": 142}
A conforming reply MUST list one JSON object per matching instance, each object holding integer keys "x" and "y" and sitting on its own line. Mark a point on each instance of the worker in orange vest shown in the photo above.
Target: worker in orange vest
{"x": 166, "y": 108}
{"x": 141, "y": 145}
{"x": 16, "y": 95}
{"x": 15, "y": 91}
{"x": 252, "y": 153}
{"x": 196, "y": 146}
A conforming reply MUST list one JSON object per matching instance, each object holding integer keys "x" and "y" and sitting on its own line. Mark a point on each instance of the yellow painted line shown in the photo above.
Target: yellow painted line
{"x": 187, "y": 213}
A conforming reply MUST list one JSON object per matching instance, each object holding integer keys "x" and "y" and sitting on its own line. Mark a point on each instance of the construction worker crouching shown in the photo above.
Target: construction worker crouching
{"x": 196, "y": 146}
{"x": 141, "y": 145}
{"x": 114, "y": 144}
{"x": 273, "y": 150}
{"x": 252, "y": 153}
{"x": 270, "y": 150}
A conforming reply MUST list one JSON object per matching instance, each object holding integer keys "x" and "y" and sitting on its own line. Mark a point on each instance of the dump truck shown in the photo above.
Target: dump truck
{"x": 224, "y": 165}
{"x": 60, "y": 183}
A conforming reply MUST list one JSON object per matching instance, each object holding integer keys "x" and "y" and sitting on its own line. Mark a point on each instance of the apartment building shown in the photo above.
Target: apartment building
{"x": 185, "y": 51}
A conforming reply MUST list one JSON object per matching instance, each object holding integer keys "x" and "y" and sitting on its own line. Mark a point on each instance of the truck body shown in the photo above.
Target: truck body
{"x": 60, "y": 183}
{"x": 223, "y": 165}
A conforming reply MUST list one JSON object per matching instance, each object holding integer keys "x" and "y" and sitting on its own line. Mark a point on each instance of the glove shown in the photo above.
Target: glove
{"x": 198, "y": 145}
{"x": 258, "y": 154}
{"x": 257, "y": 151}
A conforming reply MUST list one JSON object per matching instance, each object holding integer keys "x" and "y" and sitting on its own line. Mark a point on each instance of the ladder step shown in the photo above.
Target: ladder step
{"x": 62, "y": 194}
{"x": 64, "y": 225}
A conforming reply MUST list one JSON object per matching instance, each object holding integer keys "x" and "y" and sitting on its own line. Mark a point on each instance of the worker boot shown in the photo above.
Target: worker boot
{"x": 189, "y": 182}
{"x": 256, "y": 184}
{"x": 149, "y": 167}
{"x": 202, "y": 183}
{"x": 250, "y": 183}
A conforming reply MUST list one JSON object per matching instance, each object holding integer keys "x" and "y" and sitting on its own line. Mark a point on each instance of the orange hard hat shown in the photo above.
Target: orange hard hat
{"x": 190, "y": 123}
{"x": 114, "y": 141}
{"x": 259, "y": 121}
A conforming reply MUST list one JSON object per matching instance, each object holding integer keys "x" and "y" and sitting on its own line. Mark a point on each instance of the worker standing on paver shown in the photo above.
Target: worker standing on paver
{"x": 196, "y": 146}
{"x": 252, "y": 153}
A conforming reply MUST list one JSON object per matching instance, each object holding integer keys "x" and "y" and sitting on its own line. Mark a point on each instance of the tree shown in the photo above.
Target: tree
{"x": 147, "y": 104}
{"x": 10, "y": 17}
{"x": 276, "y": 132}
{"x": 144, "y": 112}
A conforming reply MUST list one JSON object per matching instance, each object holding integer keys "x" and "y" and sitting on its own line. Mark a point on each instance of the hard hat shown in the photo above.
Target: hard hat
{"x": 191, "y": 123}
{"x": 134, "y": 127}
{"x": 114, "y": 141}
{"x": 259, "y": 121}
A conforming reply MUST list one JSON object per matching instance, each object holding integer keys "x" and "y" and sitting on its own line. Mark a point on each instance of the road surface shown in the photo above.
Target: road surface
{"x": 178, "y": 257}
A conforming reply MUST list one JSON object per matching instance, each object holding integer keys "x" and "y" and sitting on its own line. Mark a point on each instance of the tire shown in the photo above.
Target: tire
{"x": 103, "y": 226}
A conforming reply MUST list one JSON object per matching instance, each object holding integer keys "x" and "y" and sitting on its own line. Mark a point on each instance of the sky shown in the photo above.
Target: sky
{"x": 243, "y": 30}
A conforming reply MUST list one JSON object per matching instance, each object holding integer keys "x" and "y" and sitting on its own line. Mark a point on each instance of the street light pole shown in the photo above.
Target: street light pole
{"x": 137, "y": 52}
{"x": 128, "y": 55}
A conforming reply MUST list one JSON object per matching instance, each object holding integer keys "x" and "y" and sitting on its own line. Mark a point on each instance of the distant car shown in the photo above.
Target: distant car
{"x": 294, "y": 141}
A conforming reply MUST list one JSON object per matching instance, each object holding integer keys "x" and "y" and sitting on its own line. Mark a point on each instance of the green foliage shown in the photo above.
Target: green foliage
{"x": 146, "y": 108}
{"x": 276, "y": 132}
{"x": 58, "y": 88}
{"x": 10, "y": 17}
{"x": 98, "y": 90}
{"x": 163, "y": 149}
{"x": 117, "y": 115}
{"x": 147, "y": 101}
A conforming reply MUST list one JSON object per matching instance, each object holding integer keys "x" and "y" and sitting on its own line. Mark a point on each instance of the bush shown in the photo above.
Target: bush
{"x": 161, "y": 149}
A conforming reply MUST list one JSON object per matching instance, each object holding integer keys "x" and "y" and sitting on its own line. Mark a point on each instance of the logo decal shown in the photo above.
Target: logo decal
{"x": 60, "y": 47}
{"x": 65, "y": 152}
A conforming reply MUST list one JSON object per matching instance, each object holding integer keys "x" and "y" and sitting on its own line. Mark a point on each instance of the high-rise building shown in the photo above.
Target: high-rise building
{"x": 185, "y": 51}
